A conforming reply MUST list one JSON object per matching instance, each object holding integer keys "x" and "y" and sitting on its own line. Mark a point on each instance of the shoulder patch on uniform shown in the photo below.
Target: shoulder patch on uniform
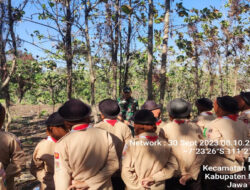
{"x": 56, "y": 155}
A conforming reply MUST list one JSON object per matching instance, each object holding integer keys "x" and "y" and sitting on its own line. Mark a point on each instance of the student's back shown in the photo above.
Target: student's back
{"x": 87, "y": 155}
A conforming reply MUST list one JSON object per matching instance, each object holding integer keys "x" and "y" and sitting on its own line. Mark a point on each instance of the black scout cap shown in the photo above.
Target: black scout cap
{"x": 74, "y": 110}
{"x": 55, "y": 120}
{"x": 228, "y": 103}
{"x": 179, "y": 108}
{"x": 205, "y": 102}
{"x": 109, "y": 108}
{"x": 144, "y": 117}
{"x": 150, "y": 105}
{"x": 246, "y": 97}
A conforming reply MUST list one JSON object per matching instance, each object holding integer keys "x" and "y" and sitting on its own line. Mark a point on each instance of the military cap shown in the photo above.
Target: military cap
{"x": 126, "y": 89}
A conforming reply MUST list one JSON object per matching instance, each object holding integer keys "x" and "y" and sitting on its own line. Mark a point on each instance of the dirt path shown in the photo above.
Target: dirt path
{"x": 28, "y": 126}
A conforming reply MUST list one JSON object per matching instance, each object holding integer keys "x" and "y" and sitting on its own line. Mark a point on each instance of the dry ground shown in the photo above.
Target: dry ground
{"x": 28, "y": 126}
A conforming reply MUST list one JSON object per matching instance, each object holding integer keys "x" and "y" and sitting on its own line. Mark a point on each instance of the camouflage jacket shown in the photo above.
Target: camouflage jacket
{"x": 128, "y": 107}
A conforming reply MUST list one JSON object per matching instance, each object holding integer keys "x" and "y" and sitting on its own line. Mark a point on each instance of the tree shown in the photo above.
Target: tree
{"x": 8, "y": 20}
{"x": 26, "y": 71}
{"x": 150, "y": 50}
{"x": 128, "y": 10}
{"x": 62, "y": 15}
{"x": 164, "y": 53}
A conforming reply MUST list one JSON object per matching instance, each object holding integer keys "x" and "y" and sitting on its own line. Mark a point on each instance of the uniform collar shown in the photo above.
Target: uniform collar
{"x": 179, "y": 121}
{"x": 111, "y": 121}
{"x": 50, "y": 138}
{"x": 149, "y": 136}
{"x": 206, "y": 113}
{"x": 158, "y": 122}
{"x": 80, "y": 127}
{"x": 233, "y": 117}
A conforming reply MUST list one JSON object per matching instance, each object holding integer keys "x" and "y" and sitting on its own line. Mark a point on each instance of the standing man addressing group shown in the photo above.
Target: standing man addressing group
{"x": 128, "y": 105}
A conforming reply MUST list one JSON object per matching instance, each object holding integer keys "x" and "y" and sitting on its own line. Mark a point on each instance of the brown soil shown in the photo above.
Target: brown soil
{"x": 28, "y": 126}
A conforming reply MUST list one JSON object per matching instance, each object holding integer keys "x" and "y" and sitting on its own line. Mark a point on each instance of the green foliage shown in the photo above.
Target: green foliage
{"x": 127, "y": 9}
{"x": 203, "y": 37}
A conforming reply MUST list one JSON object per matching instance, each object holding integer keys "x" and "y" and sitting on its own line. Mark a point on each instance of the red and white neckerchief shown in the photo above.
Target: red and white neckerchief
{"x": 111, "y": 121}
{"x": 158, "y": 122}
{"x": 233, "y": 117}
{"x": 152, "y": 138}
{"x": 50, "y": 138}
{"x": 81, "y": 127}
{"x": 179, "y": 121}
{"x": 206, "y": 113}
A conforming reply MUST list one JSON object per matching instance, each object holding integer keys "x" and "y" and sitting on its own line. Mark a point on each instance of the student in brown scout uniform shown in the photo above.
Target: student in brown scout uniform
{"x": 244, "y": 106}
{"x": 42, "y": 164}
{"x": 119, "y": 131}
{"x": 204, "y": 106}
{"x": 85, "y": 155}
{"x": 156, "y": 110}
{"x": 229, "y": 138}
{"x": 11, "y": 154}
{"x": 185, "y": 138}
{"x": 147, "y": 159}
{"x": 2, "y": 177}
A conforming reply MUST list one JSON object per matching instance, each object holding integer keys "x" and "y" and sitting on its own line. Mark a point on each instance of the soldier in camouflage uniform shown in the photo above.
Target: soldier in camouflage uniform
{"x": 128, "y": 105}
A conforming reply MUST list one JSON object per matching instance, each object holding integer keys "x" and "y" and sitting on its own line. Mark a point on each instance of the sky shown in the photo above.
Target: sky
{"x": 25, "y": 28}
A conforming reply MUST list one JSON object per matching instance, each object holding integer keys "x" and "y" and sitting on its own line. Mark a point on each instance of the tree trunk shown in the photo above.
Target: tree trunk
{"x": 7, "y": 107}
{"x": 128, "y": 48}
{"x": 121, "y": 52}
{"x": 164, "y": 53}
{"x": 91, "y": 64}
{"x": 14, "y": 46}
{"x": 68, "y": 49}
{"x": 236, "y": 69}
{"x": 211, "y": 81}
{"x": 115, "y": 52}
{"x": 150, "y": 51}
{"x": 221, "y": 78}
{"x": 197, "y": 80}
{"x": 3, "y": 67}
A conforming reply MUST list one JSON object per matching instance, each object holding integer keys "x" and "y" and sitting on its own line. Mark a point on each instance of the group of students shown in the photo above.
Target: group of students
{"x": 178, "y": 154}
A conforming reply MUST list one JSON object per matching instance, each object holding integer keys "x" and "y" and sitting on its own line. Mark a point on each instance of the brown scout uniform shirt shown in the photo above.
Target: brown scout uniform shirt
{"x": 185, "y": 138}
{"x": 147, "y": 155}
{"x": 42, "y": 164}
{"x": 159, "y": 125}
{"x": 234, "y": 133}
{"x": 85, "y": 155}
{"x": 2, "y": 174}
{"x": 11, "y": 156}
{"x": 204, "y": 119}
{"x": 120, "y": 133}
